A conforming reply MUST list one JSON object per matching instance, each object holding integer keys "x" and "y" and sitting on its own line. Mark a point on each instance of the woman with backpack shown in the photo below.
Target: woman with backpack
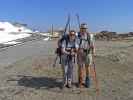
{"x": 69, "y": 48}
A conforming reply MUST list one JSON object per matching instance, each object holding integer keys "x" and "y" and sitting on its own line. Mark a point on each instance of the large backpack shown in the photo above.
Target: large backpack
{"x": 64, "y": 37}
{"x": 60, "y": 41}
{"x": 58, "y": 50}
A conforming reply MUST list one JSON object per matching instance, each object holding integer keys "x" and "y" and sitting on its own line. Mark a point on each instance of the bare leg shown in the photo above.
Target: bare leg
{"x": 81, "y": 75}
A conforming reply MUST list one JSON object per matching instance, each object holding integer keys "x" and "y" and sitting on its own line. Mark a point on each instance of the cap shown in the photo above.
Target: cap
{"x": 83, "y": 26}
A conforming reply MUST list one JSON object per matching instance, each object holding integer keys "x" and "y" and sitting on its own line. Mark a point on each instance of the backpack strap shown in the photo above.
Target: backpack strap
{"x": 79, "y": 36}
{"x": 67, "y": 40}
{"x": 88, "y": 38}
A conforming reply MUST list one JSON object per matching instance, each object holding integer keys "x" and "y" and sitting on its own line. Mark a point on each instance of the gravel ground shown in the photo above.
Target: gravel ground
{"x": 30, "y": 75}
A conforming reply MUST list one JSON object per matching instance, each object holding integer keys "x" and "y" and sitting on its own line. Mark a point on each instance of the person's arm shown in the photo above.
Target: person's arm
{"x": 77, "y": 45}
{"x": 92, "y": 40}
{"x": 63, "y": 48}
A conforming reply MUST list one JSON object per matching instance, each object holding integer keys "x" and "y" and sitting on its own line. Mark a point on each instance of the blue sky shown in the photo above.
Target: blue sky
{"x": 112, "y": 15}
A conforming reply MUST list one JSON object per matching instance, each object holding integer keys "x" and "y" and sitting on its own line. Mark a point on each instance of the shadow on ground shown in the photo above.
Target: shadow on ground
{"x": 39, "y": 82}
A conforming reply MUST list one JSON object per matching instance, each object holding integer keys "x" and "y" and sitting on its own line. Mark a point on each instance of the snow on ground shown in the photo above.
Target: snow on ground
{"x": 13, "y": 27}
{"x": 46, "y": 39}
{"x": 6, "y": 37}
{"x": 46, "y": 34}
{"x": 12, "y": 42}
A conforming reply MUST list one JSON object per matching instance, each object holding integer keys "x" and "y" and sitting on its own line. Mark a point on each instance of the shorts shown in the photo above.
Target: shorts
{"x": 83, "y": 58}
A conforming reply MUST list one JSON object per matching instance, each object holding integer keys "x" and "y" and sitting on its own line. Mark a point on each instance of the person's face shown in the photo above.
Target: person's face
{"x": 72, "y": 35}
{"x": 83, "y": 30}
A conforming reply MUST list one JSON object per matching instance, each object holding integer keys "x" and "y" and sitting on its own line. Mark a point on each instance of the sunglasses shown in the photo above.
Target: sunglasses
{"x": 72, "y": 34}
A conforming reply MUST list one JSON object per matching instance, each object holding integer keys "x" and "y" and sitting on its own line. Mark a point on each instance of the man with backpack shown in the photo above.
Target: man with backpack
{"x": 85, "y": 53}
{"x": 69, "y": 48}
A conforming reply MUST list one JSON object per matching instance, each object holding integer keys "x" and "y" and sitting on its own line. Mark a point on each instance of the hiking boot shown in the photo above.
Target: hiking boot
{"x": 64, "y": 84}
{"x": 69, "y": 84}
{"x": 87, "y": 82}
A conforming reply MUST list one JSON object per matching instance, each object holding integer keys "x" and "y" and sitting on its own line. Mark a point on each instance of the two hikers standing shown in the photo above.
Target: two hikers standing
{"x": 82, "y": 47}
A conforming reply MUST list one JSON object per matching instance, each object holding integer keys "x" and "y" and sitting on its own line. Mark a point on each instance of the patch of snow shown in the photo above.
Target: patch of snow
{"x": 46, "y": 39}
{"x": 46, "y": 34}
{"x": 12, "y": 42}
{"x": 9, "y": 27}
{"x": 5, "y": 37}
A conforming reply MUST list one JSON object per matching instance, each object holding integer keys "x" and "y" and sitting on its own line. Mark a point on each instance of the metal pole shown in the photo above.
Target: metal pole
{"x": 67, "y": 24}
{"x": 78, "y": 19}
{"x": 95, "y": 77}
{"x": 65, "y": 30}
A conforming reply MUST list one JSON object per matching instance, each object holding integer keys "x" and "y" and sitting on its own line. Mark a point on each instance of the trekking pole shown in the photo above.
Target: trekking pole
{"x": 95, "y": 77}
{"x": 65, "y": 29}
{"x": 72, "y": 49}
{"x": 67, "y": 24}
{"x": 54, "y": 64}
{"x": 78, "y": 20}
